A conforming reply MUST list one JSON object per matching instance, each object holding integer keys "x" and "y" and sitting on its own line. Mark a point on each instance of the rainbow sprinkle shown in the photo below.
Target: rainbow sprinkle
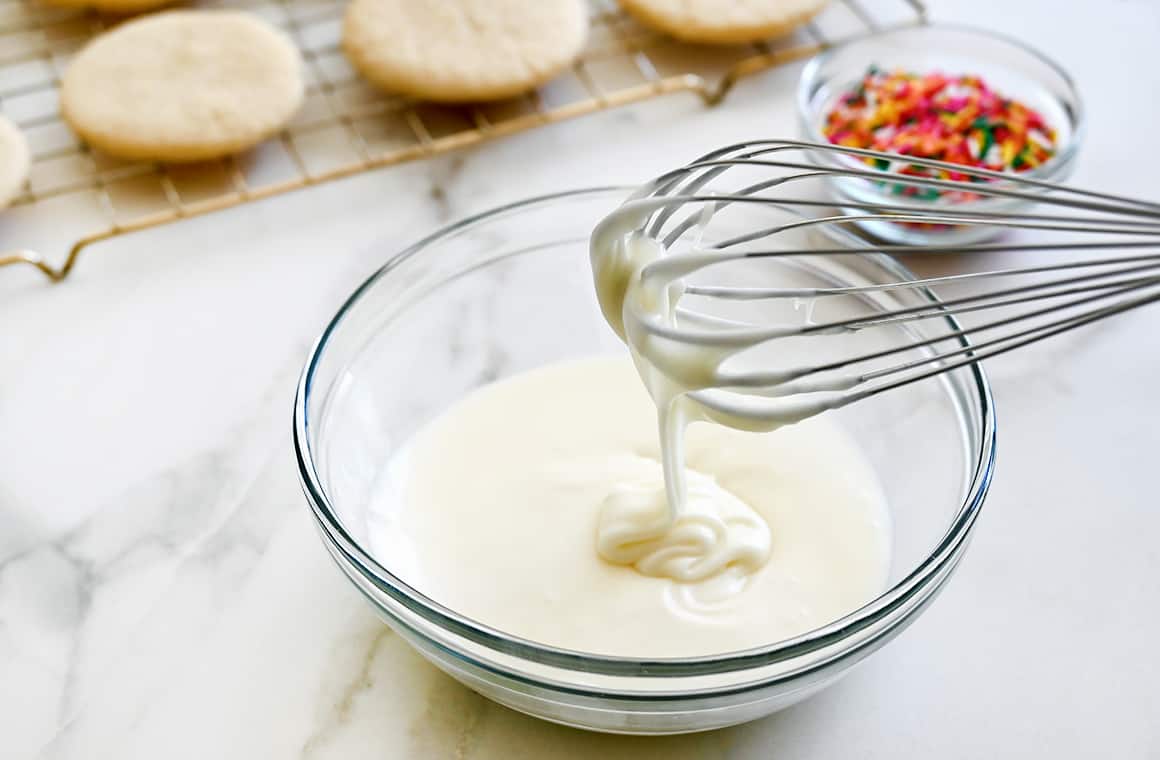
{"x": 958, "y": 119}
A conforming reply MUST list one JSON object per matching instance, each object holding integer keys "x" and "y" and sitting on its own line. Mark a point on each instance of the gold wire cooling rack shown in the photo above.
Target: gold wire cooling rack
{"x": 346, "y": 127}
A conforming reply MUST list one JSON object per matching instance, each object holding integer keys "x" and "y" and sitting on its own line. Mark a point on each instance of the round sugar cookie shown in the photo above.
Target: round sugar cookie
{"x": 463, "y": 50}
{"x": 183, "y": 86}
{"x": 14, "y": 161}
{"x": 723, "y": 22}
{"x": 111, "y": 6}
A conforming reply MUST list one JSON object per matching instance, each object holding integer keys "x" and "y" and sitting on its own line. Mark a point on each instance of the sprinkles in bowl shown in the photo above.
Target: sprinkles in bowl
{"x": 958, "y": 119}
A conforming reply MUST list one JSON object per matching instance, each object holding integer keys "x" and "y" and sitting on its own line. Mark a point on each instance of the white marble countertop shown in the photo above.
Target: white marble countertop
{"x": 162, "y": 594}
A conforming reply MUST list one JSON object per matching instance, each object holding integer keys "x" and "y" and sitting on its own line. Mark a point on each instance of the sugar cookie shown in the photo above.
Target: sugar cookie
{"x": 183, "y": 86}
{"x": 463, "y": 50}
{"x": 14, "y": 161}
{"x": 723, "y": 21}
{"x": 111, "y": 6}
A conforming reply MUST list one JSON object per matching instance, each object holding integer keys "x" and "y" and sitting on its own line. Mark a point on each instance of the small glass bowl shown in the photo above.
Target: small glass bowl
{"x": 510, "y": 290}
{"x": 1007, "y": 65}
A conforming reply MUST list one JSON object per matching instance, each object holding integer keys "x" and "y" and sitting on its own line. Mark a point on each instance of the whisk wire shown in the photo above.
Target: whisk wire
{"x": 679, "y": 208}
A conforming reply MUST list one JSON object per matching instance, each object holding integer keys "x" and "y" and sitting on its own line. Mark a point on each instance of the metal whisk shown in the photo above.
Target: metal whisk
{"x": 843, "y": 192}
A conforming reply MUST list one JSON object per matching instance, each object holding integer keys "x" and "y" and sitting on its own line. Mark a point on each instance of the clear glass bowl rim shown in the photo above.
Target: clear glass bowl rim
{"x": 1054, "y": 166}
{"x": 945, "y": 553}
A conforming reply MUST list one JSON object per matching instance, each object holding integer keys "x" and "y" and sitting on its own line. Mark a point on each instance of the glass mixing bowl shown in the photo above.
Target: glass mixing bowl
{"x": 1006, "y": 64}
{"x": 510, "y": 290}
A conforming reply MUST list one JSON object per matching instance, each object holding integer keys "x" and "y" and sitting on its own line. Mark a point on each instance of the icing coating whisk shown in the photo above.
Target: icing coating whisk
{"x": 734, "y": 225}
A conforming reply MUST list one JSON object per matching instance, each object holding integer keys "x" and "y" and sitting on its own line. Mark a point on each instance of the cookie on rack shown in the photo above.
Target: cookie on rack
{"x": 463, "y": 50}
{"x": 183, "y": 86}
{"x": 111, "y": 6}
{"x": 14, "y": 161}
{"x": 723, "y": 22}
